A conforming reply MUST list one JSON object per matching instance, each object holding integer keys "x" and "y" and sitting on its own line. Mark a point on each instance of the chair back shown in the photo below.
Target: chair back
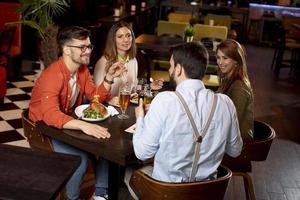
{"x": 35, "y": 139}
{"x": 258, "y": 149}
{"x": 148, "y": 188}
{"x": 206, "y": 31}
{"x": 256, "y": 13}
{"x": 179, "y": 17}
{"x": 166, "y": 27}
{"x": 219, "y": 20}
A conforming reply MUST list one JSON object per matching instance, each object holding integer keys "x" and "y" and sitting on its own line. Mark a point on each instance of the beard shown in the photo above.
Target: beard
{"x": 172, "y": 83}
{"x": 83, "y": 59}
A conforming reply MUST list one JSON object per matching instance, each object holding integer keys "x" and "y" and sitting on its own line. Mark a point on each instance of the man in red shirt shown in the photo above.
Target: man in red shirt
{"x": 60, "y": 88}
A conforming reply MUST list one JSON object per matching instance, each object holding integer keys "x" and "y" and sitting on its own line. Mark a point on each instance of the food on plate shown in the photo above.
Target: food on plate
{"x": 96, "y": 109}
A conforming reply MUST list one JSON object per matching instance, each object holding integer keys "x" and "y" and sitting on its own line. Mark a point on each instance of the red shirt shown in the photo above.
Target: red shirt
{"x": 51, "y": 94}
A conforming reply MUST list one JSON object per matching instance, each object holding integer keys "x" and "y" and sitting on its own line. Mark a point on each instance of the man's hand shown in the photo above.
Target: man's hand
{"x": 139, "y": 111}
{"x": 157, "y": 84}
{"x": 88, "y": 128}
{"x": 95, "y": 130}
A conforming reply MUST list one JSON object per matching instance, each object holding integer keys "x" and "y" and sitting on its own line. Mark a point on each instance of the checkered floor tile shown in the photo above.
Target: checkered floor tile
{"x": 16, "y": 100}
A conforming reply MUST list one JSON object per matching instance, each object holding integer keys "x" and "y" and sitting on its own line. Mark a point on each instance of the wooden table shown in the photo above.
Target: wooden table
{"x": 161, "y": 45}
{"x": 118, "y": 149}
{"x": 157, "y": 43}
{"x": 158, "y": 48}
{"x": 30, "y": 174}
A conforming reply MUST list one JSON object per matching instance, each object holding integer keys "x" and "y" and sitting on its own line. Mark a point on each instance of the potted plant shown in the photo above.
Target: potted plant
{"x": 189, "y": 33}
{"x": 39, "y": 14}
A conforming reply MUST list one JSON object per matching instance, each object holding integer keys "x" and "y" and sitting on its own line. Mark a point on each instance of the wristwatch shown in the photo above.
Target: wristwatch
{"x": 107, "y": 81}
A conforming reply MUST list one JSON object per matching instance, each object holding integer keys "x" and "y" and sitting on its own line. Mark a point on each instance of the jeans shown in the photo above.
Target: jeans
{"x": 101, "y": 177}
{"x": 73, "y": 185}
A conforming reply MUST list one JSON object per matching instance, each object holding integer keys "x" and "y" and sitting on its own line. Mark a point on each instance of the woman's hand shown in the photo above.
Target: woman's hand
{"x": 114, "y": 101}
{"x": 115, "y": 70}
{"x": 157, "y": 84}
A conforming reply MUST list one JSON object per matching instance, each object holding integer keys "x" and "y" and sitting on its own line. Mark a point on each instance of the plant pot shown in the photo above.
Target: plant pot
{"x": 188, "y": 38}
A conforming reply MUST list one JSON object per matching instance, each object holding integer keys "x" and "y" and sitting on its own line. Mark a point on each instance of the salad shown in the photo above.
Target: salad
{"x": 96, "y": 109}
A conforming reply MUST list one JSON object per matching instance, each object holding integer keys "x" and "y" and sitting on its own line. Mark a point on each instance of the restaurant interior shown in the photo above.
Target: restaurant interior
{"x": 269, "y": 31}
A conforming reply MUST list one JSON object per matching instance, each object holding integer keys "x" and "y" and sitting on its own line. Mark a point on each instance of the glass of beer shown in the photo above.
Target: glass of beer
{"x": 124, "y": 100}
{"x": 148, "y": 95}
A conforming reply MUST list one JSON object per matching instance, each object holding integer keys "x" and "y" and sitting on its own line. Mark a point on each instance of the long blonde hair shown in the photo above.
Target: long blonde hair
{"x": 110, "y": 51}
{"x": 232, "y": 49}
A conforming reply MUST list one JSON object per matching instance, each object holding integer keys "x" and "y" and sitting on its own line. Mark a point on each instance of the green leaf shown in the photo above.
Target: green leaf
{"x": 38, "y": 14}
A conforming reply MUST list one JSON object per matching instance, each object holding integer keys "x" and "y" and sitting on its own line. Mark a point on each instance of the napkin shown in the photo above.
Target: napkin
{"x": 131, "y": 129}
{"x": 112, "y": 111}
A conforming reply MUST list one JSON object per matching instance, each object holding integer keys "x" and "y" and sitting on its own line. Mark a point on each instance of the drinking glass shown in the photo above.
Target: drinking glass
{"x": 148, "y": 96}
{"x": 124, "y": 100}
{"x": 140, "y": 85}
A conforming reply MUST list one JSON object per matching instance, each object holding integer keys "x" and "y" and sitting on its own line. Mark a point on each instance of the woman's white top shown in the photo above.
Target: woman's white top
{"x": 129, "y": 77}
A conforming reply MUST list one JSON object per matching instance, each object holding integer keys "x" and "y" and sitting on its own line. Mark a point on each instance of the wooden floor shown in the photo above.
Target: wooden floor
{"x": 277, "y": 102}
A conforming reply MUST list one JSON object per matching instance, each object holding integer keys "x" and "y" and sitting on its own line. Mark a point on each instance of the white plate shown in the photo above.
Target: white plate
{"x": 79, "y": 113}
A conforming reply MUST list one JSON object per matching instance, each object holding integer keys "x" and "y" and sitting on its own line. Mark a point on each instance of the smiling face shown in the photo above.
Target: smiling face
{"x": 77, "y": 54}
{"x": 226, "y": 64}
{"x": 123, "y": 40}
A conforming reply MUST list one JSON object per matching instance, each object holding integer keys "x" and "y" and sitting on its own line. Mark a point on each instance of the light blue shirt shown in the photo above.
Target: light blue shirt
{"x": 166, "y": 133}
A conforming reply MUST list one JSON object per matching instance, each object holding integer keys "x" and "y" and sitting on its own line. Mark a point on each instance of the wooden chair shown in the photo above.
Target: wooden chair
{"x": 288, "y": 41}
{"x": 179, "y": 17}
{"x": 35, "y": 139}
{"x": 148, "y": 188}
{"x": 256, "y": 150}
{"x": 222, "y": 20}
{"x": 254, "y": 31}
{"x": 211, "y": 81}
{"x": 219, "y": 20}
{"x": 206, "y": 31}
{"x": 167, "y": 27}
{"x": 41, "y": 142}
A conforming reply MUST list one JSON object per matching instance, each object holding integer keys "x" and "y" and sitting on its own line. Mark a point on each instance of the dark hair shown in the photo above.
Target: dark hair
{"x": 193, "y": 57}
{"x": 110, "y": 51}
{"x": 71, "y": 32}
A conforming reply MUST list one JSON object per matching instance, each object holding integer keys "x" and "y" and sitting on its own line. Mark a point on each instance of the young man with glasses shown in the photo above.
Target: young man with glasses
{"x": 61, "y": 88}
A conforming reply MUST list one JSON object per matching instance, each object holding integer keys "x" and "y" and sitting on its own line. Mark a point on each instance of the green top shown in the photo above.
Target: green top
{"x": 242, "y": 97}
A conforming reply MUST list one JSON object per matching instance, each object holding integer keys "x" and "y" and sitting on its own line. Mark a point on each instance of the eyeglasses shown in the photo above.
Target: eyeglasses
{"x": 83, "y": 48}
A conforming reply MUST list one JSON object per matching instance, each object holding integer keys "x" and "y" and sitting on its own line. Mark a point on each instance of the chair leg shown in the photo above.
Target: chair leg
{"x": 274, "y": 58}
{"x": 249, "y": 189}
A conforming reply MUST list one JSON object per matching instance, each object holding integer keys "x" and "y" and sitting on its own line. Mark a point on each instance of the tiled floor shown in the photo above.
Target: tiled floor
{"x": 16, "y": 99}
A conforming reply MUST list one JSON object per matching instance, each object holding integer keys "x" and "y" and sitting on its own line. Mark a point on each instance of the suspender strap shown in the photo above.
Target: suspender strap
{"x": 197, "y": 135}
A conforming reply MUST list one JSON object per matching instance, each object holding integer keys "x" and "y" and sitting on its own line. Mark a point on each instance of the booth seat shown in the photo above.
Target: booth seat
{"x": 10, "y": 35}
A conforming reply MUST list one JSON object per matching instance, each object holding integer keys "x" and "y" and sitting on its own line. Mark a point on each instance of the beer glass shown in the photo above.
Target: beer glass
{"x": 148, "y": 96}
{"x": 140, "y": 85}
{"x": 124, "y": 100}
